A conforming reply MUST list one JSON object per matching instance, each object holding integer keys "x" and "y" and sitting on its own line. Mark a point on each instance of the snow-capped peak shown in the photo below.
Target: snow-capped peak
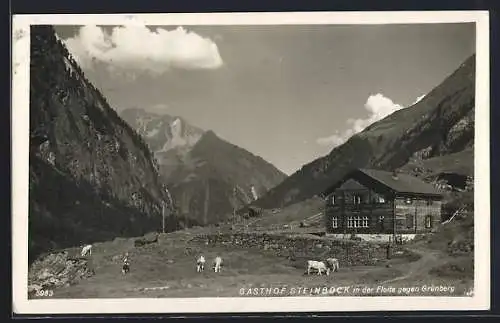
{"x": 176, "y": 128}
{"x": 176, "y": 122}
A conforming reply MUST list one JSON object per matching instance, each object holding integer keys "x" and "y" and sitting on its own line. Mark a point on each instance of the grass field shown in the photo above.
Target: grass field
{"x": 167, "y": 269}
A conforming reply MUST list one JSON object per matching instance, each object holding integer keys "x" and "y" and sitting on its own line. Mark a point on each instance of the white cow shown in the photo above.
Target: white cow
{"x": 333, "y": 264}
{"x": 217, "y": 264}
{"x": 87, "y": 250}
{"x": 126, "y": 264}
{"x": 318, "y": 265}
{"x": 200, "y": 264}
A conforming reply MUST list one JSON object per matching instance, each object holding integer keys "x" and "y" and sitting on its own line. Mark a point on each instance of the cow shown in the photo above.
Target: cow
{"x": 126, "y": 265}
{"x": 318, "y": 265}
{"x": 217, "y": 264}
{"x": 200, "y": 264}
{"x": 333, "y": 264}
{"x": 86, "y": 250}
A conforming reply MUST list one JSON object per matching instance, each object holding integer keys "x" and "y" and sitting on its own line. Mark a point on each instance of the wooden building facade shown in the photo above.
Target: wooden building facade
{"x": 371, "y": 202}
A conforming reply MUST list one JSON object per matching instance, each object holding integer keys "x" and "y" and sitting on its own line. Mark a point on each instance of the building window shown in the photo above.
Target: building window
{"x": 335, "y": 222}
{"x": 428, "y": 221}
{"x": 357, "y": 222}
{"x": 357, "y": 199}
{"x": 429, "y": 202}
{"x": 377, "y": 199}
{"x": 409, "y": 221}
{"x": 408, "y": 200}
{"x": 333, "y": 199}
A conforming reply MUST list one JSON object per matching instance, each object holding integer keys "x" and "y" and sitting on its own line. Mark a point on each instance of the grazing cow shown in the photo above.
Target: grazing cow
{"x": 126, "y": 264}
{"x": 125, "y": 267}
{"x": 318, "y": 265}
{"x": 87, "y": 250}
{"x": 333, "y": 264}
{"x": 200, "y": 264}
{"x": 217, "y": 264}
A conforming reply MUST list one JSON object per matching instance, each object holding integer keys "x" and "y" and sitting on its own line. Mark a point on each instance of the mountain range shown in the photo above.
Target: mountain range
{"x": 424, "y": 139}
{"x": 91, "y": 177}
{"x": 96, "y": 175}
{"x": 208, "y": 176}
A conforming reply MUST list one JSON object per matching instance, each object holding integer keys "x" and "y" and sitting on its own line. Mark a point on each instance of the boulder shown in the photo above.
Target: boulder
{"x": 56, "y": 270}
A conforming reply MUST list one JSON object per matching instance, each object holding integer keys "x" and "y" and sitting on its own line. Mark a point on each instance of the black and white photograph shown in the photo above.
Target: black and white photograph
{"x": 251, "y": 162}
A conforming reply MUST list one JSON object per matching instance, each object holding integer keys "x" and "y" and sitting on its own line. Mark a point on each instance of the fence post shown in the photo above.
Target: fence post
{"x": 389, "y": 250}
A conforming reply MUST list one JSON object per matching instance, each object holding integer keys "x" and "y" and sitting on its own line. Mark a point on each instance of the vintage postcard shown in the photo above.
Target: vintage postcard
{"x": 251, "y": 162}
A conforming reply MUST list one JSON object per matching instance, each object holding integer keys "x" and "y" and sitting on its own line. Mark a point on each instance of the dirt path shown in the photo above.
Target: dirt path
{"x": 428, "y": 259}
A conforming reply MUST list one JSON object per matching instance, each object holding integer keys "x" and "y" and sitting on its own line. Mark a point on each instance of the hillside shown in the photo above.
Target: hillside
{"x": 439, "y": 125}
{"x": 91, "y": 176}
{"x": 207, "y": 175}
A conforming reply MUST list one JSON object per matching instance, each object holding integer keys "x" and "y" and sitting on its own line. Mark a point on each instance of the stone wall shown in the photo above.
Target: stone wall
{"x": 379, "y": 238}
{"x": 349, "y": 253}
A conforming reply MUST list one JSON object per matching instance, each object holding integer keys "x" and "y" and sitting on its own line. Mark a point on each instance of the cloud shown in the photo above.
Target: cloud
{"x": 378, "y": 106}
{"x": 134, "y": 47}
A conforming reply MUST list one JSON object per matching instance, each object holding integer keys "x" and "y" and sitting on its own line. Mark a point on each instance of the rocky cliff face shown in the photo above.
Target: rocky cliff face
{"x": 170, "y": 138}
{"x": 91, "y": 176}
{"x": 208, "y": 176}
{"x": 439, "y": 125}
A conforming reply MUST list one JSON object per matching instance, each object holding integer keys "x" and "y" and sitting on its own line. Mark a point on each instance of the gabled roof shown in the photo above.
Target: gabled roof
{"x": 403, "y": 184}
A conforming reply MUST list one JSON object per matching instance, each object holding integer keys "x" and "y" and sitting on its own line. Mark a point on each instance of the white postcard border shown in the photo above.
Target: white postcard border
{"x": 20, "y": 175}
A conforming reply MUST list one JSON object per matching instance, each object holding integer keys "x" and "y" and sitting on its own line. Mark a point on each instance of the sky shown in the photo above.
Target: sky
{"x": 288, "y": 93}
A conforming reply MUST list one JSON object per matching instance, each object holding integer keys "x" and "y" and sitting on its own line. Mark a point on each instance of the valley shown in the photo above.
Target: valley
{"x": 108, "y": 178}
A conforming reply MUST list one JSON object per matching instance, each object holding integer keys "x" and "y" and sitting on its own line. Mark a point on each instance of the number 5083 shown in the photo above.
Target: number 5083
{"x": 45, "y": 293}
